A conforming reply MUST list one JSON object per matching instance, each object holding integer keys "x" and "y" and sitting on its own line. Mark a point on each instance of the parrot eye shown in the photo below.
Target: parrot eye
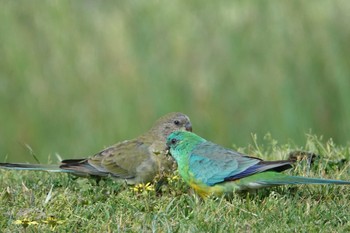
{"x": 173, "y": 141}
{"x": 176, "y": 122}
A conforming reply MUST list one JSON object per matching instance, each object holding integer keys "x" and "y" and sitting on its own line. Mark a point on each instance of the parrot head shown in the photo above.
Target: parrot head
{"x": 180, "y": 143}
{"x": 172, "y": 122}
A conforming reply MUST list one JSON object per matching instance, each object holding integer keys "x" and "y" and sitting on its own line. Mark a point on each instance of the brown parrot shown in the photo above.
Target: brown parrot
{"x": 135, "y": 161}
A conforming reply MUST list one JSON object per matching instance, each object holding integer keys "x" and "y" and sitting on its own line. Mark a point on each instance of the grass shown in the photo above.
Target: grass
{"x": 79, "y": 205}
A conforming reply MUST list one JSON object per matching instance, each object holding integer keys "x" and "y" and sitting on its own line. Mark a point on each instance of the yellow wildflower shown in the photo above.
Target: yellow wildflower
{"x": 173, "y": 179}
{"x": 52, "y": 221}
{"x": 140, "y": 188}
{"x": 25, "y": 222}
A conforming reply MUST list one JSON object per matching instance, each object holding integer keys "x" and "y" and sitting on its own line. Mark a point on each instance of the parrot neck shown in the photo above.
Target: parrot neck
{"x": 182, "y": 156}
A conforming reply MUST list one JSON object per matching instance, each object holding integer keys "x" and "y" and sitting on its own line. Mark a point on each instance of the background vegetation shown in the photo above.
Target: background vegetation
{"x": 76, "y": 76}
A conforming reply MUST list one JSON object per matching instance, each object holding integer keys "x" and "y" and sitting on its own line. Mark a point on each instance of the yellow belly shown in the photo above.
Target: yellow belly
{"x": 205, "y": 191}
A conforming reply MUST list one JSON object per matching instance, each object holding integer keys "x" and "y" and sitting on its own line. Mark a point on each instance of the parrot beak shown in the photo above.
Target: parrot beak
{"x": 167, "y": 151}
{"x": 188, "y": 127}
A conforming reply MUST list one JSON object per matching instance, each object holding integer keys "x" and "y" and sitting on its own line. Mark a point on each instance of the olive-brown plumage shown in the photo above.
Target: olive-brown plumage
{"x": 136, "y": 161}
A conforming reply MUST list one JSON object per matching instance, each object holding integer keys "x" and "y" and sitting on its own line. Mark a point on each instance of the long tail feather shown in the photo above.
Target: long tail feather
{"x": 33, "y": 167}
{"x": 78, "y": 167}
{"x": 273, "y": 178}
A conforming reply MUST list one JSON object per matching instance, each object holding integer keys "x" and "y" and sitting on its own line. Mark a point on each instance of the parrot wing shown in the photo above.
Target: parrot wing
{"x": 122, "y": 159}
{"x": 212, "y": 164}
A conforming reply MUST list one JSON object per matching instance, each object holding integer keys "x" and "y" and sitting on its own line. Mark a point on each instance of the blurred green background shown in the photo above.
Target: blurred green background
{"x": 76, "y": 76}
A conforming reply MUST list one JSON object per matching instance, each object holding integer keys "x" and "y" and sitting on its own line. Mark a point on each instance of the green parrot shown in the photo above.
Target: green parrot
{"x": 136, "y": 161}
{"x": 211, "y": 169}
